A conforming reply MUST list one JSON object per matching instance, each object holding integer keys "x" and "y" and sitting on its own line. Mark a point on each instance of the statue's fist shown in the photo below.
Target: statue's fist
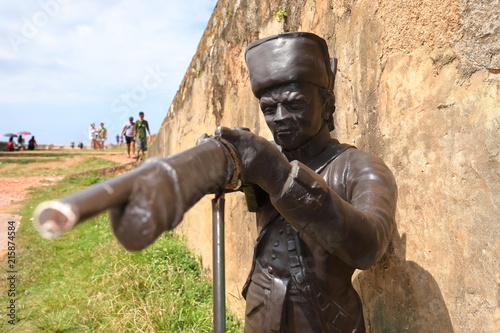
{"x": 260, "y": 161}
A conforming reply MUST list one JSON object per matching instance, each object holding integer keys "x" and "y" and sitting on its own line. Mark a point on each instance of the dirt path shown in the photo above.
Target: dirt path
{"x": 15, "y": 189}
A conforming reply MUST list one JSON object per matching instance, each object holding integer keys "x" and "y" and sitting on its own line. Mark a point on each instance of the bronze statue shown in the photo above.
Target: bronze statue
{"x": 323, "y": 208}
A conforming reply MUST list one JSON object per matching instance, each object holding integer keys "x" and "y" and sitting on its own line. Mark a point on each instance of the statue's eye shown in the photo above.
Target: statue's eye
{"x": 295, "y": 105}
{"x": 269, "y": 109}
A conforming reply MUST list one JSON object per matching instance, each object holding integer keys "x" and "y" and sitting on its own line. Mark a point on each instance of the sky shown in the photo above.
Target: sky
{"x": 65, "y": 64}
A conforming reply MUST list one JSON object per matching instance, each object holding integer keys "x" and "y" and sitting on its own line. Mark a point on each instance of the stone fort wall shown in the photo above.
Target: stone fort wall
{"x": 417, "y": 84}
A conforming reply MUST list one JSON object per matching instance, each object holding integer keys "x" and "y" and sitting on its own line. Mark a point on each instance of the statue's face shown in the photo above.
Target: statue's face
{"x": 293, "y": 113}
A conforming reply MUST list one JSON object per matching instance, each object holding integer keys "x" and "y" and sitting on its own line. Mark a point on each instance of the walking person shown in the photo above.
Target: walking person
{"x": 92, "y": 136}
{"x": 140, "y": 133}
{"x": 102, "y": 135}
{"x": 129, "y": 130}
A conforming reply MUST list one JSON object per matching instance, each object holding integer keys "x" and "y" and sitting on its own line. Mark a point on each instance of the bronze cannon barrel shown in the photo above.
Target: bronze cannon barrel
{"x": 147, "y": 201}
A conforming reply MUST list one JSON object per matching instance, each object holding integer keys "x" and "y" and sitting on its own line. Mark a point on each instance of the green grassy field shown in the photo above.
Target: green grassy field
{"x": 21, "y": 166}
{"x": 86, "y": 282}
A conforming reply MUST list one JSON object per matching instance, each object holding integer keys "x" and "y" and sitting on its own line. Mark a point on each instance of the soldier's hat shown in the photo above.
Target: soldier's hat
{"x": 287, "y": 58}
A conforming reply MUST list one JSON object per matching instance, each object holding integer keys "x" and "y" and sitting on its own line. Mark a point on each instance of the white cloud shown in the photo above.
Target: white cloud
{"x": 109, "y": 43}
{"x": 56, "y": 53}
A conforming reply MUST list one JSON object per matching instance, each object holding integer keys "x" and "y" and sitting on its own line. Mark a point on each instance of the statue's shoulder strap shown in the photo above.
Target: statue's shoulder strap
{"x": 330, "y": 153}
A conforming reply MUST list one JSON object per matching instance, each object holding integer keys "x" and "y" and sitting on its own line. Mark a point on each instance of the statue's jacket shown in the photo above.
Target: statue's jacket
{"x": 333, "y": 216}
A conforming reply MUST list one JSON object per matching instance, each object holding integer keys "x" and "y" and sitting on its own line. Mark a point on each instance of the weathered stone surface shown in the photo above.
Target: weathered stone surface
{"x": 479, "y": 38}
{"x": 417, "y": 85}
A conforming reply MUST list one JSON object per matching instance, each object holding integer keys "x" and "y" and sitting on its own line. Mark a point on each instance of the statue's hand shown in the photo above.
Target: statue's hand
{"x": 202, "y": 139}
{"x": 261, "y": 162}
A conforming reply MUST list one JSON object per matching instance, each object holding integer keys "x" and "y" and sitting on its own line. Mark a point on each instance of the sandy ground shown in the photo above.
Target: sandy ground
{"x": 14, "y": 189}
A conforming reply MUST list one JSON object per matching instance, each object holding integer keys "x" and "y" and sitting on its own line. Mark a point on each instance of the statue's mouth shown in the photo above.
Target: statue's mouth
{"x": 284, "y": 131}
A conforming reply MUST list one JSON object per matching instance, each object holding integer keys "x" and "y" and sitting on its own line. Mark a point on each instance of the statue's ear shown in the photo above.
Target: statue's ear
{"x": 333, "y": 65}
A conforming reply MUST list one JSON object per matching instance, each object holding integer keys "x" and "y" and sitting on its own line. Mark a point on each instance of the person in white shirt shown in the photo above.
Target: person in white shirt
{"x": 128, "y": 131}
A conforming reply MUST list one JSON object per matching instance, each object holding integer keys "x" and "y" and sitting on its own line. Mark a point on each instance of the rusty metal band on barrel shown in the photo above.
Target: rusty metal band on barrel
{"x": 235, "y": 182}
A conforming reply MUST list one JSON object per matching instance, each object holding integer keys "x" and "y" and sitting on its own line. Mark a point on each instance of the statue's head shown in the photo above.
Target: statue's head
{"x": 291, "y": 75}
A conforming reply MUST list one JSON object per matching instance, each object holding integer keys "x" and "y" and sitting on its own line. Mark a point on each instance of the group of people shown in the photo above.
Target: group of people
{"x": 80, "y": 145}
{"x": 20, "y": 143}
{"x": 97, "y": 136}
{"x": 136, "y": 131}
{"x": 133, "y": 132}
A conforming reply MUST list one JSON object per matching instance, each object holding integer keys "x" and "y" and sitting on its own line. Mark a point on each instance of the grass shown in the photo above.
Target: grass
{"x": 88, "y": 164}
{"x": 86, "y": 282}
{"x": 60, "y": 153}
{"x": 26, "y": 160}
{"x": 23, "y": 154}
{"x": 20, "y": 167}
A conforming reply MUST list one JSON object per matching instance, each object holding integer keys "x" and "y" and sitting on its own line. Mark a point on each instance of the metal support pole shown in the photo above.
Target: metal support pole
{"x": 219, "y": 287}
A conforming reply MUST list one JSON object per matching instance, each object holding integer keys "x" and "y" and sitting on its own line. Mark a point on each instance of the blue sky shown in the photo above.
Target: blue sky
{"x": 66, "y": 63}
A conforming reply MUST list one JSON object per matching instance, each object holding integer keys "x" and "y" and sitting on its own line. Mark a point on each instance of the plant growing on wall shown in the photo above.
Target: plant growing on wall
{"x": 280, "y": 13}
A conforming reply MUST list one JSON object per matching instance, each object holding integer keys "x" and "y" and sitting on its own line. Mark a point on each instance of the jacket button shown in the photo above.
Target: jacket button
{"x": 277, "y": 243}
{"x": 273, "y": 256}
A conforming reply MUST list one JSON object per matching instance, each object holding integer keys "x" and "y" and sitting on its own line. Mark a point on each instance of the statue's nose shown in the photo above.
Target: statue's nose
{"x": 281, "y": 113}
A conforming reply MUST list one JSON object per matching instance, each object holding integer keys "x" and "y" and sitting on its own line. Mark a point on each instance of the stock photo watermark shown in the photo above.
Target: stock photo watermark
{"x": 11, "y": 272}
{"x": 128, "y": 102}
{"x": 131, "y": 99}
{"x": 31, "y": 26}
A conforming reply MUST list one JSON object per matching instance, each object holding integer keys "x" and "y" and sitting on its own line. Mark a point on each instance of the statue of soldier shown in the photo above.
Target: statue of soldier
{"x": 324, "y": 208}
